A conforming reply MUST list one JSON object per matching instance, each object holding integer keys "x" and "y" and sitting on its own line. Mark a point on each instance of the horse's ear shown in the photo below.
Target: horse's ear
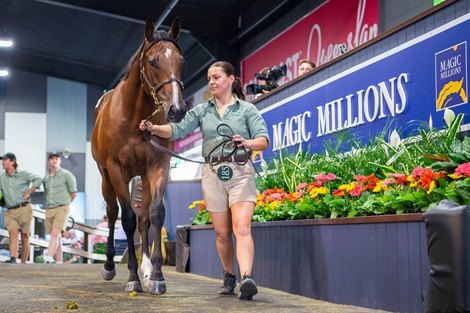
{"x": 149, "y": 30}
{"x": 174, "y": 31}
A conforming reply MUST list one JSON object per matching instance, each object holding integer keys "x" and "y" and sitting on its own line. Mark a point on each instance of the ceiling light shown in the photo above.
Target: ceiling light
{"x": 3, "y": 72}
{"x": 6, "y": 43}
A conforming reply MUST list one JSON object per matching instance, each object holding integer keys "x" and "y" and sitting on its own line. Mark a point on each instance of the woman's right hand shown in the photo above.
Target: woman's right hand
{"x": 146, "y": 125}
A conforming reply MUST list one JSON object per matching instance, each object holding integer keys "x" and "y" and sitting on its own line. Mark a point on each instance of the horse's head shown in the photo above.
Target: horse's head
{"x": 160, "y": 67}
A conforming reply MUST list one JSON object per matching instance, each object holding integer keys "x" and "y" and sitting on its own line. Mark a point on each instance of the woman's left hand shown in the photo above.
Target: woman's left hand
{"x": 239, "y": 141}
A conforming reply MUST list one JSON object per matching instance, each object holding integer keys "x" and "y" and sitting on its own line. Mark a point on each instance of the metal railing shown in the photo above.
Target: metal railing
{"x": 86, "y": 252}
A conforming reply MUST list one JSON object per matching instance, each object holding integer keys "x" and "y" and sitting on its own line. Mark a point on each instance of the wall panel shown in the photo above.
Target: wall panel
{"x": 95, "y": 205}
{"x": 66, "y": 115}
{"x": 25, "y": 136}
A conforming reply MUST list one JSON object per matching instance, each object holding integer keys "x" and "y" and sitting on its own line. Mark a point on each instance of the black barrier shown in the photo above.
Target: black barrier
{"x": 447, "y": 228}
{"x": 182, "y": 248}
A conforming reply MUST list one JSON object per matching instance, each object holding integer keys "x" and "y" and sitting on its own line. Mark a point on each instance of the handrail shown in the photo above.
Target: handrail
{"x": 86, "y": 229}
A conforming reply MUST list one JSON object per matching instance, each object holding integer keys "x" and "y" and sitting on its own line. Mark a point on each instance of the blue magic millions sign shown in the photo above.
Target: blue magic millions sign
{"x": 415, "y": 81}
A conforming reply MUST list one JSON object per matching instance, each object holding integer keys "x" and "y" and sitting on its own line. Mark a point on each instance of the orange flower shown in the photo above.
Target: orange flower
{"x": 338, "y": 193}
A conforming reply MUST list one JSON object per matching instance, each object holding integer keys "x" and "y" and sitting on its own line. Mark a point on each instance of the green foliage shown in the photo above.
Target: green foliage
{"x": 202, "y": 218}
{"x": 440, "y": 151}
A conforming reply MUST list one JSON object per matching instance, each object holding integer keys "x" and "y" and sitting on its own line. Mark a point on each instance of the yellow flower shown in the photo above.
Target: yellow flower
{"x": 313, "y": 193}
{"x": 413, "y": 183}
{"x": 378, "y": 187}
{"x": 323, "y": 190}
{"x": 273, "y": 205}
{"x": 431, "y": 186}
{"x": 453, "y": 176}
{"x": 347, "y": 187}
{"x": 194, "y": 204}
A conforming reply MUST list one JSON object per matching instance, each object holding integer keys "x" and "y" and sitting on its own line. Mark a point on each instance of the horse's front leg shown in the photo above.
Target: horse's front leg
{"x": 155, "y": 183}
{"x": 129, "y": 223}
{"x": 157, "y": 218}
{"x": 146, "y": 265}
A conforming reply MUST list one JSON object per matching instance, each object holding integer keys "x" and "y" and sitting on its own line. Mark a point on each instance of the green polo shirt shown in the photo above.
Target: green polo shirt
{"x": 242, "y": 117}
{"x": 59, "y": 187}
{"x": 13, "y": 187}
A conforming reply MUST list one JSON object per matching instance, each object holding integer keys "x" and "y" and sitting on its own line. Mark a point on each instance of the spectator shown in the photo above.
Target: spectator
{"x": 61, "y": 188}
{"x": 74, "y": 258}
{"x": 100, "y": 239}
{"x": 16, "y": 187}
{"x": 305, "y": 66}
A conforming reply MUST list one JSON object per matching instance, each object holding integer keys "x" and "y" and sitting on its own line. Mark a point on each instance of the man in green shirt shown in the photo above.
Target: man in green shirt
{"x": 16, "y": 188}
{"x": 60, "y": 187}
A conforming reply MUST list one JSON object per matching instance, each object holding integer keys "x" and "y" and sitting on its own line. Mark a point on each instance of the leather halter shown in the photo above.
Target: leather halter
{"x": 143, "y": 76}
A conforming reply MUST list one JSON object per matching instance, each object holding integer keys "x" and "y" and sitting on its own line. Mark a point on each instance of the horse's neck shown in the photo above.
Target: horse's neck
{"x": 132, "y": 91}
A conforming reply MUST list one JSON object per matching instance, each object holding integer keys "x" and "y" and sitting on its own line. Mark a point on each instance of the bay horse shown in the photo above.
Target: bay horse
{"x": 151, "y": 89}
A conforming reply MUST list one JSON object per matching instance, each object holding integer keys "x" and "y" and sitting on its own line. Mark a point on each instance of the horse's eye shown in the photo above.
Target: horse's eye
{"x": 153, "y": 62}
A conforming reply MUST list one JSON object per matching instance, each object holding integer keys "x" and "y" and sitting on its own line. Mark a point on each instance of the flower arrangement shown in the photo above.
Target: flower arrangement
{"x": 382, "y": 177}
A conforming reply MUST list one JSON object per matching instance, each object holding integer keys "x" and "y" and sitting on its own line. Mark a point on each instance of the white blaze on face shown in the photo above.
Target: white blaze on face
{"x": 146, "y": 266}
{"x": 174, "y": 85}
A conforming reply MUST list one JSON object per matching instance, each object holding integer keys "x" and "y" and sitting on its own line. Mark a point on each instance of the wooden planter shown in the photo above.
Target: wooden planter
{"x": 377, "y": 262}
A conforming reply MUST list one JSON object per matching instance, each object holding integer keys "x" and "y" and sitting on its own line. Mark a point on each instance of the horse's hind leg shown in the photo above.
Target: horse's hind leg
{"x": 109, "y": 270}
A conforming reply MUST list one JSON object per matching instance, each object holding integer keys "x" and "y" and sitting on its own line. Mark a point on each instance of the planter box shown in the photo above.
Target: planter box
{"x": 378, "y": 262}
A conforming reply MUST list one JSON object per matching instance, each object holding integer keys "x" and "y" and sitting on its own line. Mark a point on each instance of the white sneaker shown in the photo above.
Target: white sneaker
{"x": 48, "y": 259}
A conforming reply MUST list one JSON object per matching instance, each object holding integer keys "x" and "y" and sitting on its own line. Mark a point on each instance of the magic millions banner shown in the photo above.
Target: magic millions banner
{"x": 412, "y": 83}
{"x": 334, "y": 27}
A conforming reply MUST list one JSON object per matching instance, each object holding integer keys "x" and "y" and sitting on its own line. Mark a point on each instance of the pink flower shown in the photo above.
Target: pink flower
{"x": 360, "y": 177}
{"x": 401, "y": 178}
{"x": 389, "y": 181}
{"x": 321, "y": 178}
{"x": 357, "y": 191}
{"x": 301, "y": 186}
{"x": 463, "y": 169}
{"x": 275, "y": 196}
{"x": 416, "y": 174}
{"x": 330, "y": 176}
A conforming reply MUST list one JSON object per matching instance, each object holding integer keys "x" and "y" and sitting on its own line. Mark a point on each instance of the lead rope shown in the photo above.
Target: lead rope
{"x": 223, "y": 144}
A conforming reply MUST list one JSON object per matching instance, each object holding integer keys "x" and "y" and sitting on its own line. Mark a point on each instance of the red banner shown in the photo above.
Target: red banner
{"x": 318, "y": 36}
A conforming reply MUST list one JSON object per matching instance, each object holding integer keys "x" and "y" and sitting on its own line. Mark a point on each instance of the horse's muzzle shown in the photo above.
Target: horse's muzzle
{"x": 175, "y": 115}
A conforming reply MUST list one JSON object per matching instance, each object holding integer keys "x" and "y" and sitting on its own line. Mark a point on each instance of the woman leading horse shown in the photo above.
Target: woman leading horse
{"x": 152, "y": 89}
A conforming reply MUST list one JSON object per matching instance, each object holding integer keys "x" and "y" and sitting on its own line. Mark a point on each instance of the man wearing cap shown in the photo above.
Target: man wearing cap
{"x": 17, "y": 187}
{"x": 60, "y": 187}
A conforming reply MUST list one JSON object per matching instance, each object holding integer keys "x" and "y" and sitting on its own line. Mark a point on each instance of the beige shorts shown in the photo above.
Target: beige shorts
{"x": 219, "y": 195}
{"x": 19, "y": 218}
{"x": 56, "y": 218}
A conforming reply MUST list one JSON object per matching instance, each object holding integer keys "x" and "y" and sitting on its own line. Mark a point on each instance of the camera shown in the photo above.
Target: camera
{"x": 271, "y": 77}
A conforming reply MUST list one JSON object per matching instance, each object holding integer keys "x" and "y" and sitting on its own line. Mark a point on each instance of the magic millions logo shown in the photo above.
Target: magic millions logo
{"x": 451, "y": 77}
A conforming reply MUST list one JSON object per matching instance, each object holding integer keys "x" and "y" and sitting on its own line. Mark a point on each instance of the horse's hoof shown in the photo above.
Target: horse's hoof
{"x": 156, "y": 287}
{"x": 134, "y": 286}
{"x": 108, "y": 275}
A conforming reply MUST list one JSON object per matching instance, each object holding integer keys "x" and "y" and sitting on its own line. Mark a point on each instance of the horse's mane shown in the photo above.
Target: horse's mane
{"x": 159, "y": 35}
{"x": 131, "y": 61}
